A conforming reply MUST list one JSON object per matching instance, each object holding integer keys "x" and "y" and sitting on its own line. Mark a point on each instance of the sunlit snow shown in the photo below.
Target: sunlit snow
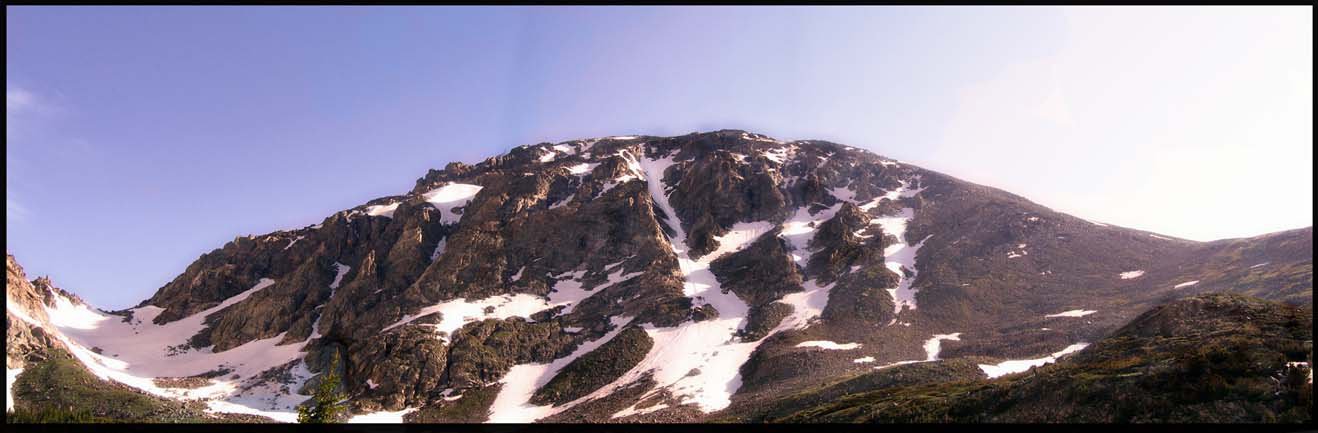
{"x": 384, "y": 210}
{"x": 699, "y": 362}
{"x": 1073, "y": 313}
{"x": 829, "y": 345}
{"x": 11, "y": 375}
{"x": 1017, "y": 366}
{"x": 136, "y": 352}
{"x": 512, "y": 405}
{"x": 932, "y": 347}
{"x": 450, "y": 196}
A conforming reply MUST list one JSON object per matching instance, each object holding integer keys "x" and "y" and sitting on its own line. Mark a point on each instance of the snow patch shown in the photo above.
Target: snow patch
{"x": 1017, "y": 366}
{"x": 1073, "y": 313}
{"x": 456, "y": 313}
{"x": 798, "y": 229}
{"x": 562, "y": 202}
{"x": 448, "y": 197}
{"x": 581, "y": 168}
{"x": 1186, "y": 284}
{"x": 569, "y": 292}
{"x": 932, "y": 347}
{"x": 291, "y": 242}
{"x": 829, "y": 345}
{"x": 844, "y": 194}
{"x": 778, "y": 155}
{"x": 901, "y": 255}
{"x": 439, "y": 249}
{"x": 338, "y": 277}
{"x": 1132, "y": 274}
{"x": 11, "y": 375}
{"x": 512, "y": 405}
{"x": 136, "y": 352}
{"x": 863, "y": 360}
{"x": 385, "y": 210}
{"x": 739, "y": 237}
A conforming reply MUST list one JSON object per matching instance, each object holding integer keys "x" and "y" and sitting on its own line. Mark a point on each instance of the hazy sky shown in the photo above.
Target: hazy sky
{"x": 140, "y": 138}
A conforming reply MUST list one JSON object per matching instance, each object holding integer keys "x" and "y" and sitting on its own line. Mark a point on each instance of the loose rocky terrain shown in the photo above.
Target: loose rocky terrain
{"x": 706, "y": 277}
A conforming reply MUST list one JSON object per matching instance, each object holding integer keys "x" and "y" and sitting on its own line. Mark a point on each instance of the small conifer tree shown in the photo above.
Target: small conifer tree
{"x": 326, "y": 404}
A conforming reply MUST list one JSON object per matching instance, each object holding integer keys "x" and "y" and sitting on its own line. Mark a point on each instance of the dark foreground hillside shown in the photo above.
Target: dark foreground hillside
{"x": 1213, "y": 358}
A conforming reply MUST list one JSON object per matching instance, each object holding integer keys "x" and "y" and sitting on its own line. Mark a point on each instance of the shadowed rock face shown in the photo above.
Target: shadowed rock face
{"x": 548, "y": 246}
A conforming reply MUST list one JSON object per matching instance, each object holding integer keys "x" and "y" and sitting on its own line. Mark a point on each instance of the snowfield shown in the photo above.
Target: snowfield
{"x": 136, "y": 352}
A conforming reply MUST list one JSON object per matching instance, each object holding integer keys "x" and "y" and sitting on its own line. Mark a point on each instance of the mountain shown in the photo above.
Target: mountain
{"x": 692, "y": 278}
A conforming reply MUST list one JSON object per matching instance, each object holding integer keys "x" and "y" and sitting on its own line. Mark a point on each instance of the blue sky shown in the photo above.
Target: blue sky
{"x": 139, "y": 138}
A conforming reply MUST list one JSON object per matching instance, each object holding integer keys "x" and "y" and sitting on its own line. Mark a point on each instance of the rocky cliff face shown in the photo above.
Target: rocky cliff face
{"x": 663, "y": 278}
{"x": 24, "y": 340}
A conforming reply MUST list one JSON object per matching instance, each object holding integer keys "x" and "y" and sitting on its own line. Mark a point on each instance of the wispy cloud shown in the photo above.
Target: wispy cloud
{"x": 17, "y": 99}
{"x": 18, "y": 103}
{"x": 15, "y": 212}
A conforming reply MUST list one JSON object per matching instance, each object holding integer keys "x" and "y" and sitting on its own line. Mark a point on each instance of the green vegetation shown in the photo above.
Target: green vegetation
{"x": 49, "y": 415}
{"x": 58, "y": 389}
{"x": 1212, "y": 358}
{"x": 473, "y": 407}
{"x": 326, "y": 404}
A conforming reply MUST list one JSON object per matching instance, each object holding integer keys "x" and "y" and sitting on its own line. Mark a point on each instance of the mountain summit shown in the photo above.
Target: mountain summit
{"x": 635, "y": 278}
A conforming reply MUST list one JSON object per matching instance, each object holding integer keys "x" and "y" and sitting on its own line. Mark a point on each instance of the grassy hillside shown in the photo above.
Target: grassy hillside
{"x": 1211, "y": 358}
{"x": 59, "y": 390}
